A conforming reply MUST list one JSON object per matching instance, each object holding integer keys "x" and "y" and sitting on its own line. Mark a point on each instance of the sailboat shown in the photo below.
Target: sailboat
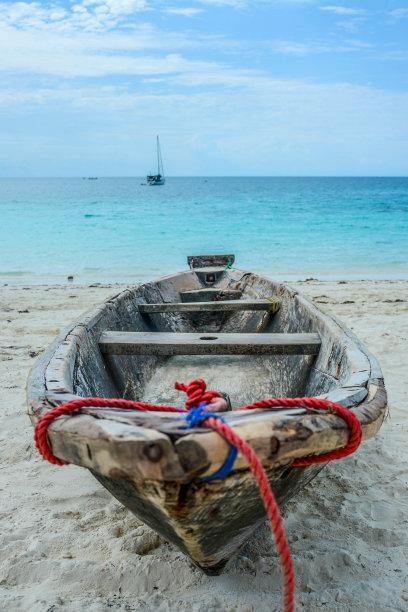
{"x": 157, "y": 179}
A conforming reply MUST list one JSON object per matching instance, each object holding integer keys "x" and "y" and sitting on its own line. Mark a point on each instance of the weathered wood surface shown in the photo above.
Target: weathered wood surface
{"x": 116, "y": 449}
{"x": 208, "y": 521}
{"x": 156, "y": 343}
{"x": 153, "y": 464}
{"x": 224, "y": 305}
{"x": 210, "y": 294}
{"x": 204, "y": 261}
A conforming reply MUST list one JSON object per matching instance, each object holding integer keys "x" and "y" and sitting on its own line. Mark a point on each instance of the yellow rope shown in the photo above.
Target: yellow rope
{"x": 275, "y": 304}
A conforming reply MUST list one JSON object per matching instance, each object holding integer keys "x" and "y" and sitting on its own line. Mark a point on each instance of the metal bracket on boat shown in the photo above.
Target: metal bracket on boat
{"x": 227, "y": 399}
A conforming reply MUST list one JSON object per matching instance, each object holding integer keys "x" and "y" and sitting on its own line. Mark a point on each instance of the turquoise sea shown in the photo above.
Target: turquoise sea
{"x": 109, "y": 229}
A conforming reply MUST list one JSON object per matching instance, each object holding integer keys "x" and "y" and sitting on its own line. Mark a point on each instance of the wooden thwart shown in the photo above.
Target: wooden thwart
{"x": 157, "y": 343}
{"x": 222, "y": 305}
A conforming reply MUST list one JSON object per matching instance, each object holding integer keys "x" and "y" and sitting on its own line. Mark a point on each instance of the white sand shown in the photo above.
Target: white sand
{"x": 66, "y": 544}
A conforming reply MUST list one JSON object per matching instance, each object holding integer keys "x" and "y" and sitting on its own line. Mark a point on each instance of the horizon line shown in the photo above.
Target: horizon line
{"x": 209, "y": 176}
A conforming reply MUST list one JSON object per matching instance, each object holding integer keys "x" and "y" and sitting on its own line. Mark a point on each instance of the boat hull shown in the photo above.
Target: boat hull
{"x": 153, "y": 183}
{"x": 149, "y": 461}
{"x": 209, "y": 523}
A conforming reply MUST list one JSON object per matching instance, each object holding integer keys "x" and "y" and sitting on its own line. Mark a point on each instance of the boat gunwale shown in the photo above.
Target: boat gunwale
{"x": 327, "y": 432}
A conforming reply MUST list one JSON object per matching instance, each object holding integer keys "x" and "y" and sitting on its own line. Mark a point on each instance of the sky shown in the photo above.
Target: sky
{"x": 233, "y": 87}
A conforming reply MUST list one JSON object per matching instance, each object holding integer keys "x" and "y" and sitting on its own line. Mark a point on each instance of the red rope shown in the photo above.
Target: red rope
{"x": 271, "y": 508}
{"x": 197, "y": 394}
{"x": 318, "y": 404}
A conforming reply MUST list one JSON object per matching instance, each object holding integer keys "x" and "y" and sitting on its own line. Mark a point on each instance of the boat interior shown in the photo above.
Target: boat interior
{"x": 247, "y": 337}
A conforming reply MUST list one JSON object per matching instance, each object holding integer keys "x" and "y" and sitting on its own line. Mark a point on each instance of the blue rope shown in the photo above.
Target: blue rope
{"x": 226, "y": 468}
{"x": 193, "y": 418}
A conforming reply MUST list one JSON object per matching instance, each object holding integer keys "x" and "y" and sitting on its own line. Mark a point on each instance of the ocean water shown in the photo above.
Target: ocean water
{"x": 119, "y": 229}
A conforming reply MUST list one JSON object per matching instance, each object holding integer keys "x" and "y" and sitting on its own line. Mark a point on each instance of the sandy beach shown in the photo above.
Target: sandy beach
{"x": 67, "y": 545}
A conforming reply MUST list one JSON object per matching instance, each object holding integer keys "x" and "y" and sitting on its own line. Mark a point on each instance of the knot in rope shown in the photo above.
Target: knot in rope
{"x": 196, "y": 393}
{"x": 196, "y": 414}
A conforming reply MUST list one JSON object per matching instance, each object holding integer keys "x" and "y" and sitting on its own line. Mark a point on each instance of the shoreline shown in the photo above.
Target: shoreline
{"x": 142, "y": 277}
{"x": 67, "y": 545}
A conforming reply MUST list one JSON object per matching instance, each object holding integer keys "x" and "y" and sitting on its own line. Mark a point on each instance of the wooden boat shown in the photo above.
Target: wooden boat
{"x": 246, "y": 336}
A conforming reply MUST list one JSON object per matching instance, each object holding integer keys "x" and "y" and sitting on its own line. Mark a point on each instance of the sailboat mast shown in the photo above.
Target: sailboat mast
{"x": 159, "y": 158}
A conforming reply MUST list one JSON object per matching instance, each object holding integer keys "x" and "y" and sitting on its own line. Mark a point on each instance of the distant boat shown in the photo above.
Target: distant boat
{"x": 157, "y": 179}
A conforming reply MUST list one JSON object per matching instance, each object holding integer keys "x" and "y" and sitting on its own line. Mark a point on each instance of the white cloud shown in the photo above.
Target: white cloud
{"x": 90, "y": 15}
{"x": 359, "y": 44}
{"x": 186, "y": 12}
{"x": 117, "y": 7}
{"x": 298, "y": 48}
{"x": 234, "y": 3}
{"x": 91, "y": 45}
{"x": 287, "y": 47}
{"x": 271, "y": 127}
{"x": 342, "y": 10}
{"x": 143, "y": 51}
{"x": 241, "y": 4}
{"x": 91, "y": 58}
{"x": 399, "y": 13}
{"x": 352, "y": 25}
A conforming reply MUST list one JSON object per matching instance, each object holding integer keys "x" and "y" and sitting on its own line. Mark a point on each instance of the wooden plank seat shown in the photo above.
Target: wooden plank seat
{"x": 159, "y": 343}
{"x": 222, "y": 305}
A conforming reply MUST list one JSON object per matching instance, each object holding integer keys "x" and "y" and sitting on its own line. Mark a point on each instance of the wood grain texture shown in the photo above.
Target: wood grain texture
{"x": 155, "y": 343}
{"x": 227, "y": 305}
{"x": 207, "y": 294}
{"x": 208, "y": 521}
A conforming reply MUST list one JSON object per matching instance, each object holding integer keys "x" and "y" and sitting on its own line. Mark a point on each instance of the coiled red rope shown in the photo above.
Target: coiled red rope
{"x": 196, "y": 396}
